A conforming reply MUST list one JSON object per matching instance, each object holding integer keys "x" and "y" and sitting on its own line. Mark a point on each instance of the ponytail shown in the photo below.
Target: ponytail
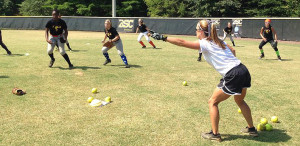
{"x": 214, "y": 36}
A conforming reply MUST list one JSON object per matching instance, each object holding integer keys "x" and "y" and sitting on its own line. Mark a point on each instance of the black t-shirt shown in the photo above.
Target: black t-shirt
{"x": 111, "y": 33}
{"x": 142, "y": 28}
{"x": 268, "y": 34}
{"x": 56, "y": 27}
{"x": 228, "y": 30}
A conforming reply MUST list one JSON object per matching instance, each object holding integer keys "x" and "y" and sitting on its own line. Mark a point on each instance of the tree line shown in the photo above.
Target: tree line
{"x": 154, "y": 8}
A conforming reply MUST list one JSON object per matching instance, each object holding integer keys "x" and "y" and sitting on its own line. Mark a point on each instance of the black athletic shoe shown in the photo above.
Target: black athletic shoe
{"x": 261, "y": 56}
{"x": 71, "y": 66}
{"x": 8, "y": 53}
{"x": 279, "y": 58}
{"x": 154, "y": 47}
{"x": 210, "y": 136}
{"x": 144, "y": 47}
{"x": 249, "y": 131}
{"x": 127, "y": 66}
{"x": 70, "y": 49}
{"x": 199, "y": 59}
{"x": 51, "y": 63}
{"x": 106, "y": 62}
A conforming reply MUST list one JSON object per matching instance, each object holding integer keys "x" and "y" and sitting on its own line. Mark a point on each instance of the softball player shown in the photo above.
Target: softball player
{"x": 266, "y": 34}
{"x": 114, "y": 37}
{"x": 227, "y": 32}
{"x": 56, "y": 27}
{"x": 235, "y": 76}
{"x": 3, "y": 45}
{"x": 144, "y": 30}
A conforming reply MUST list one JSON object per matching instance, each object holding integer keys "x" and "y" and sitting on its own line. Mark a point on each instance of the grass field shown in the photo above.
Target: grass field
{"x": 150, "y": 106}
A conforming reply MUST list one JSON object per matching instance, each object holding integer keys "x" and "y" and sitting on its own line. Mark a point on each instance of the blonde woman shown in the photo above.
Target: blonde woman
{"x": 144, "y": 30}
{"x": 235, "y": 76}
{"x": 114, "y": 37}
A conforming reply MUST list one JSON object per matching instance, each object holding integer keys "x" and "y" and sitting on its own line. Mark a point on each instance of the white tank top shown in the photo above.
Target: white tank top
{"x": 222, "y": 60}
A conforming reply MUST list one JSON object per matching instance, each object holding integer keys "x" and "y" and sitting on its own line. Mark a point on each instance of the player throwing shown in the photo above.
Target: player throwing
{"x": 56, "y": 27}
{"x": 266, "y": 34}
{"x": 227, "y": 32}
{"x": 114, "y": 40}
{"x": 144, "y": 30}
{"x": 235, "y": 76}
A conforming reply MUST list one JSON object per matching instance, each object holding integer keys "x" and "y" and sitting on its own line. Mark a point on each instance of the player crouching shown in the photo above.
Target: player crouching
{"x": 56, "y": 27}
{"x": 114, "y": 40}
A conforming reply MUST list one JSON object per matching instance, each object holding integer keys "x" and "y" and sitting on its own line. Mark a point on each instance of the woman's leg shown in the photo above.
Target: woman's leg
{"x": 239, "y": 99}
{"x": 217, "y": 97}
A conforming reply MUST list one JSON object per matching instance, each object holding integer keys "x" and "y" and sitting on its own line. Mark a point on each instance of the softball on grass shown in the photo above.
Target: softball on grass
{"x": 269, "y": 127}
{"x": 261, "y": 127}
{"x": 90, "y": 99}
{"x": 239, "y": 110}
{"x": 263, "y": 121}
{"x": 94, "y": 90}
{"x": 274, "y": 119}
{"x": 184, "y": 83}
{"x": 107, "y": 99}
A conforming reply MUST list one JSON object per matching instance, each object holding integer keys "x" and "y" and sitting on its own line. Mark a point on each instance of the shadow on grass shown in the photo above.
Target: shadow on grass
{"x": 131, "y": 66}
{"x": 274, "y": 136}
{"x": 151, "y": 48}
{"x": 79, "y": 51}
{"x": 14, "y": 55}
{"x": 281, "y": 59}
{"x": 4, "y": 76}
{"x": 78, "y": 67}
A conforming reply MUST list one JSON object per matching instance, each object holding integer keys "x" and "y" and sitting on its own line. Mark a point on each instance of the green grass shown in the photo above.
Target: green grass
{"x": 150, "y": 106}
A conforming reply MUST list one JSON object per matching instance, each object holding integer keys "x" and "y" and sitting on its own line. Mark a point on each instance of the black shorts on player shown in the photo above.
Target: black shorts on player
{"x": 235, "y": 80}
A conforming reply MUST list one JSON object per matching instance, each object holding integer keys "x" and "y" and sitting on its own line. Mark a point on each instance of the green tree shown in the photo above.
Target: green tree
{"x": 33, "y": 8}
{"x": 131, "y": 8}
{"x": 170, "y": 8}
{"x": 215, "y": 8}
{"x": 10, "y": 7}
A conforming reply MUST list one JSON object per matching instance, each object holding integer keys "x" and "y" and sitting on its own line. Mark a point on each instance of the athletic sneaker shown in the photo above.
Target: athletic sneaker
{"x": 51, "y": 63}
{"x": 8, "y": 53}
{"x": 249, "y": 131}
{"x": 154, "y": 47}
{"x": 199, "y": 59}
{"x": 127, "y": 66}
{"x": 144, "y": 47}
{"x": 106, "y": 62}
{"x": 211, "y": 136}
{"x": 71, "y": 66}
{"x": 261, "y": 56}
{"x": 279, "y": 58}
{"x": 70, "y": 49}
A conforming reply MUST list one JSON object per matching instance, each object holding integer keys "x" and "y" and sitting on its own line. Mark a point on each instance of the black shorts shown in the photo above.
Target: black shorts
{"x": 235, "y": 80}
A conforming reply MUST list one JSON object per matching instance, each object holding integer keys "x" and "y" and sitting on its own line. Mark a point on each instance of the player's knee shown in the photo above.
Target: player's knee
{"x": 275, "y": 48}
{"x": 120, "y": 53}
{"x": 104, "y": 50}
{"x": 212, "y": 102}
{"x": 62, "y": 52}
